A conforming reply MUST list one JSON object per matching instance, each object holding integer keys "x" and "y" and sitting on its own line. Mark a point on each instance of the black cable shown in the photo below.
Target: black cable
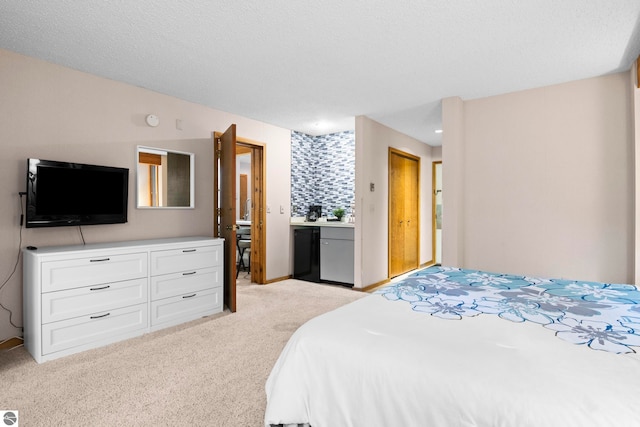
{"x": 81, "y": 234}
{"x": 15, "y": 267}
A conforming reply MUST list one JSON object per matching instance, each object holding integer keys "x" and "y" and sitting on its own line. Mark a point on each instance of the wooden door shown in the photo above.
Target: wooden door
{"x": 404, "y": 212}
{"x": 225, "y": 223}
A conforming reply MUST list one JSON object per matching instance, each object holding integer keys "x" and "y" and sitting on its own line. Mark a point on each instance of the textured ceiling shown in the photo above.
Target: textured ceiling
{"x": 312, "y": 66}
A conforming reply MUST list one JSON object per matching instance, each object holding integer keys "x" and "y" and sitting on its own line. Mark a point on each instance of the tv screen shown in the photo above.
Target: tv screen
{"x": 67, "y": 194}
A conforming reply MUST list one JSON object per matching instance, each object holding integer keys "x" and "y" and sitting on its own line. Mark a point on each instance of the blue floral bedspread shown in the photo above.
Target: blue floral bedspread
{"x": 600, "y": 315}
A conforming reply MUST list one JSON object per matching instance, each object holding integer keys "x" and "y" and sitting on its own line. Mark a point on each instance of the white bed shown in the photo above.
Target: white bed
{"x": 382, "y": 362}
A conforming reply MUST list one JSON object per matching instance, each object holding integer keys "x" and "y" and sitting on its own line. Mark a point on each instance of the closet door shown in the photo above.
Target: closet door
{"x": 404, "y": 212}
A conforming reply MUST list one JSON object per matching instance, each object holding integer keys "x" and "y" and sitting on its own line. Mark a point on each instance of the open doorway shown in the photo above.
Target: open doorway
{"x": 226, "y": 219}
{"x": 436, "y": 202}
{"x": 250, "y": 212}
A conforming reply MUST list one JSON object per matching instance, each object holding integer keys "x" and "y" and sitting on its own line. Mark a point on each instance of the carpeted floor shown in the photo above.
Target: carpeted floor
{"x": 209, "y": 372}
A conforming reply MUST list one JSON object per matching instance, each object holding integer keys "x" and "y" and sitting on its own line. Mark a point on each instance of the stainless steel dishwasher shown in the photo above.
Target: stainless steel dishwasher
{"x": 336, "y": 254}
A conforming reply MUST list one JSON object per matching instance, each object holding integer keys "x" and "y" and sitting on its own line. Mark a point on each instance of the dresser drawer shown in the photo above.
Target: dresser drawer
{"x": 175, "y": 284}
{"x": 83, "y": 330}
{"x": 184, "y": 260}
{"x": 80, "y": 272}
{"x": 77, "y": 302}
{"x": 191, "y": 306}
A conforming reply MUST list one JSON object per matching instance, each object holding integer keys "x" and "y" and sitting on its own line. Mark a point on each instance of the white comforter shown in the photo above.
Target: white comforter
{"x": 376, "y": 362}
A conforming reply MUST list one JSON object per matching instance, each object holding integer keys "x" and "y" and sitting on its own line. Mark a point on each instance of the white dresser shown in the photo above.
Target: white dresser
{"x": 80, "y": 297}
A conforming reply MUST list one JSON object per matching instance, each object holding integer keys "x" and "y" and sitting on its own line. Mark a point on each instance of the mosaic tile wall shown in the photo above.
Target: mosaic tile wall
{"x": 322, "y": 172}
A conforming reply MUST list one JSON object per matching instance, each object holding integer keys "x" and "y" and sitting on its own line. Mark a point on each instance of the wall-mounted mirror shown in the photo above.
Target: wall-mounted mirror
{"x": 243, "y": 185}
{"x": 165, "y": 178}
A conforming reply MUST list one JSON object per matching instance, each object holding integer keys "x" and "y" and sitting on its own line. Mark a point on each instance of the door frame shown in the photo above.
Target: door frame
{"x": 258, "y": 205}
{"x": 258, "y": 208}
{"x": 433, "y": 210}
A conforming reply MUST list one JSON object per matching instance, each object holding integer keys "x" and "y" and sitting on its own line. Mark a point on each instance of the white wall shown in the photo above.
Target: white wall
{"x": 546, "y": 181}
{"x": 453, "y": 167}
{"x": 55, "y": 113}
{"x": 372, "y": 166}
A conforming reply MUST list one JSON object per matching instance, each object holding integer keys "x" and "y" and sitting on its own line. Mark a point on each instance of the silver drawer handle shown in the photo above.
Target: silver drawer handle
{"x": 97, "y": 289}
{"x": 189, "y": 274}
{"x": 98, "y": 317}
{"x": 189, "y": 296}
{"x": 189, "y": 250}
{"x": 99, "y": 260}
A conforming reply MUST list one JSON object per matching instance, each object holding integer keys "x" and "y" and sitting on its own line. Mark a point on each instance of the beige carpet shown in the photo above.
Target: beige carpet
{"x": 210, "y": 372}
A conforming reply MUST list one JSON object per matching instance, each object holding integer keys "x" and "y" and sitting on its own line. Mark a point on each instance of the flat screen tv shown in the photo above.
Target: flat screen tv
{"x": 68, "y": 194}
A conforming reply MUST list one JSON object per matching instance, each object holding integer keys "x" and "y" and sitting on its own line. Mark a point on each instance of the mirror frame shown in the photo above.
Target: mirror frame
{"x": 192, "y": 182}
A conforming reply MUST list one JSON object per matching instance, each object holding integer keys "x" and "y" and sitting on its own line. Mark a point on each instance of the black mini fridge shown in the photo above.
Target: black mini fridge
{"x": 306, "y": 257}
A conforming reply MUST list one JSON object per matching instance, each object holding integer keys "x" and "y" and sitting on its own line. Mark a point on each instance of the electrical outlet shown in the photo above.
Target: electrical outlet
{"x": 268, "y": 209}
{"x": 281, "y": 209}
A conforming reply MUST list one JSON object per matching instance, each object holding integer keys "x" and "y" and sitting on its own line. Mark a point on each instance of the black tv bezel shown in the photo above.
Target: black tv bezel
{"x": 34, "y": 220}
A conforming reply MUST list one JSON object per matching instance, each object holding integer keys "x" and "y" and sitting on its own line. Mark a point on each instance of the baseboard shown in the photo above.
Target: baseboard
{"x": 11, "y": 343}
{"x": 278, "y": 279}
{"x": 369, "y": 288}
{"x": 380, "y": 284}
{"x": 373, "y": 286}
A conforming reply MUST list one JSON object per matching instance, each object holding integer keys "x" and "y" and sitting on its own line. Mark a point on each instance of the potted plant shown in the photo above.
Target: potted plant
{"x": 339, "y": 213}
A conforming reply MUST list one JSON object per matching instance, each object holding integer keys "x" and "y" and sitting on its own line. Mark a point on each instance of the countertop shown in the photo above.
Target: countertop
{"x": 321, "y": 223}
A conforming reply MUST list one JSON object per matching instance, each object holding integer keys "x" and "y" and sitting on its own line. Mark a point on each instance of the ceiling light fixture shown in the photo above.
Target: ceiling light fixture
{"x": 438, "y": 130}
